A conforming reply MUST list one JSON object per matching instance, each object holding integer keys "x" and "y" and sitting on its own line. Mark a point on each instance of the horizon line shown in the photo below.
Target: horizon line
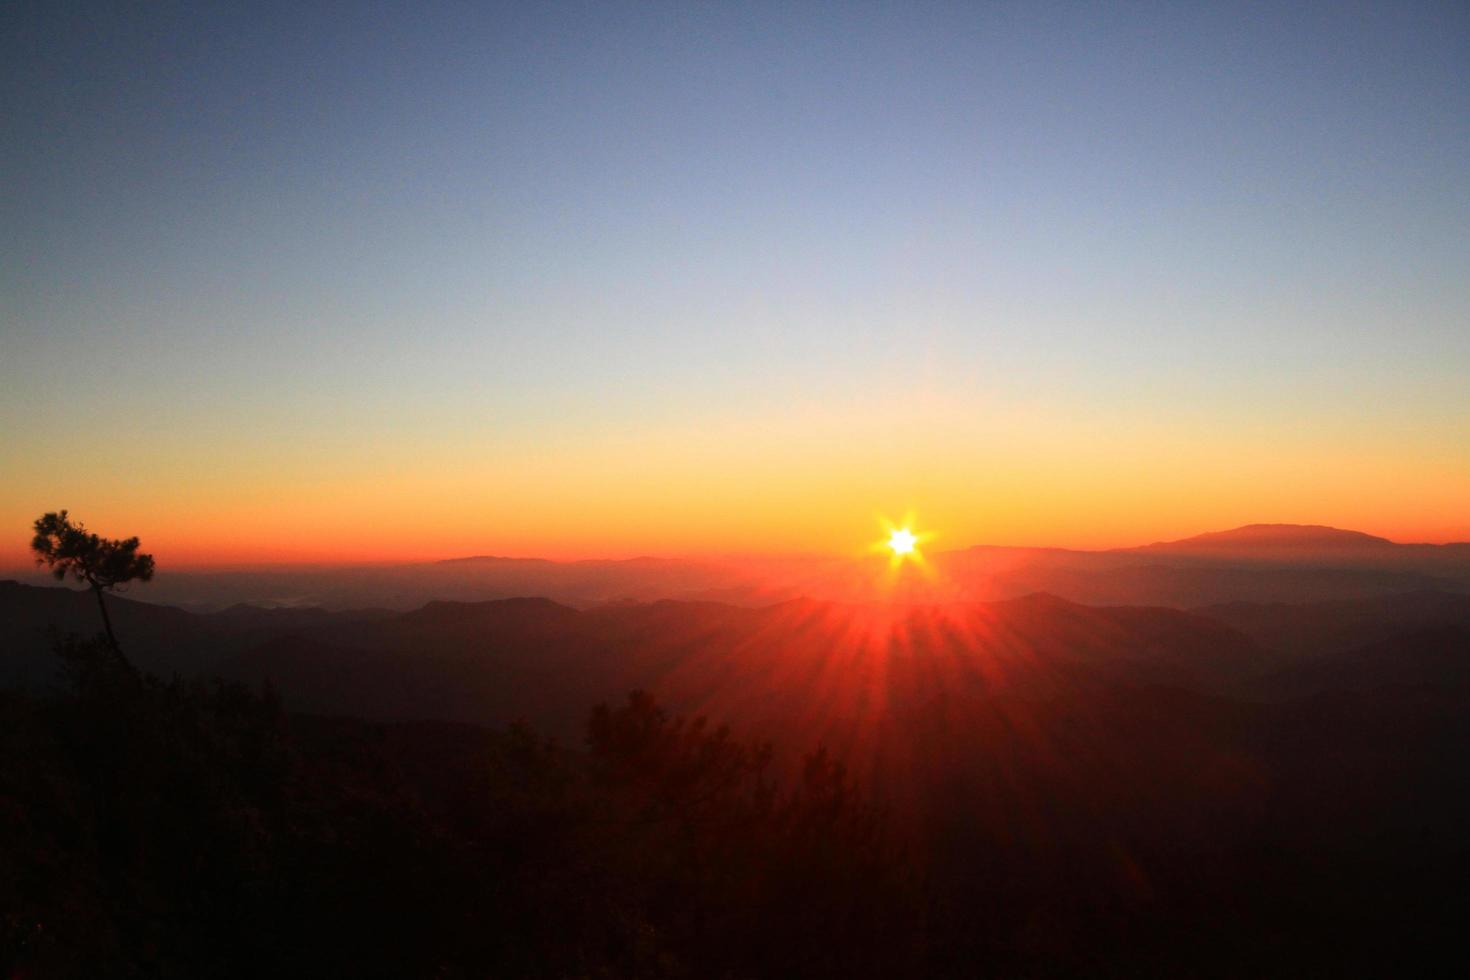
{"x": 304, "y": 564}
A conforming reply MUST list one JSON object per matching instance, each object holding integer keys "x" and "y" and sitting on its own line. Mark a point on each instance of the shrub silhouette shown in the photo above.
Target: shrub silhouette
{"x": 744, "y": 875}
{"x": 194, "y": 828}
{"x": 69, "y": 549}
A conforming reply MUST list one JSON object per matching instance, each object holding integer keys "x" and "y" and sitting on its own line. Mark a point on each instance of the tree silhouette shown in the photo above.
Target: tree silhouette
{"x": 103, "y": 563}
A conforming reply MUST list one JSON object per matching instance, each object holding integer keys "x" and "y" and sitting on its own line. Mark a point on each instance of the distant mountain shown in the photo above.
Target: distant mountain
{"x": 405, "y": 586}
{"x": 1258, "y": 563}
{"x": 1272, "y": 537}
{"x": 1303, "y": 545}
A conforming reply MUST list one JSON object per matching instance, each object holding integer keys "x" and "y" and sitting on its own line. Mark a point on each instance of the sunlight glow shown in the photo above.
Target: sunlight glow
{"x": 901, "y": 544}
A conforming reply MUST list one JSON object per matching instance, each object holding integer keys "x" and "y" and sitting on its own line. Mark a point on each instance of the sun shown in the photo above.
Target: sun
{"x": 900, "y": 542}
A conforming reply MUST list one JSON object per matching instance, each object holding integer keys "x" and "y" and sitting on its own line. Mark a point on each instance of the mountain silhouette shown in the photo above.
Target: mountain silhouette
{"x": 1316, "y": 628}
{"x": 1430, "y": 661}
{"x": 1270, "y": 537}
{"x": 1255, "y": 563}
{"x": 1131, "y": 777}
{"x": 161, "y": 639}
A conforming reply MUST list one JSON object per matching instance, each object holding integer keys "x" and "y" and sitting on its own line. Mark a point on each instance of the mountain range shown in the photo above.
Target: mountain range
{"x": 809, "y": 669}
{"x": 1255, "y": 563}
{"x": 1055, "y": 768}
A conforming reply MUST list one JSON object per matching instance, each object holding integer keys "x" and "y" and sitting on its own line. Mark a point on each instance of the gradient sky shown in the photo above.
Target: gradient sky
{"x": 358, "y": 281}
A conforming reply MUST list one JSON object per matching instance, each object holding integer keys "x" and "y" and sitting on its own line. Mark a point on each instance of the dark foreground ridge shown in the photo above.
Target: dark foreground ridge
{"x": 195, "y": 829}
{"x": 1075, "y": 818}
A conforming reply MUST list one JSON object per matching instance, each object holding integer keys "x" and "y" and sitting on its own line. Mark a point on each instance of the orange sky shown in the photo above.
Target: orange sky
{"x": 809, "y": 481}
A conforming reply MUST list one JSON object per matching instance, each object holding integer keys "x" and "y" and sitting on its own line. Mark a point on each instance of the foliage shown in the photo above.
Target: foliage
{"x": 103, "y": 564}
{"x": 195, "y": 829}
{"x": 68, "y": 548}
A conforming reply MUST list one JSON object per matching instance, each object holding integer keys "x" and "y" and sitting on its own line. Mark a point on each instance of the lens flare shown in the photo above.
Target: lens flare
{"x": 901, "y": 543}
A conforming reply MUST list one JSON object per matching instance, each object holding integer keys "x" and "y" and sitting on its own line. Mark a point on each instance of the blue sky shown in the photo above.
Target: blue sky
{"x": 324, "y": 226}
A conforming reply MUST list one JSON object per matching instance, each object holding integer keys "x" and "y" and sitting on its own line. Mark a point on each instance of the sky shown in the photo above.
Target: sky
{"x": 318, "y": 282}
